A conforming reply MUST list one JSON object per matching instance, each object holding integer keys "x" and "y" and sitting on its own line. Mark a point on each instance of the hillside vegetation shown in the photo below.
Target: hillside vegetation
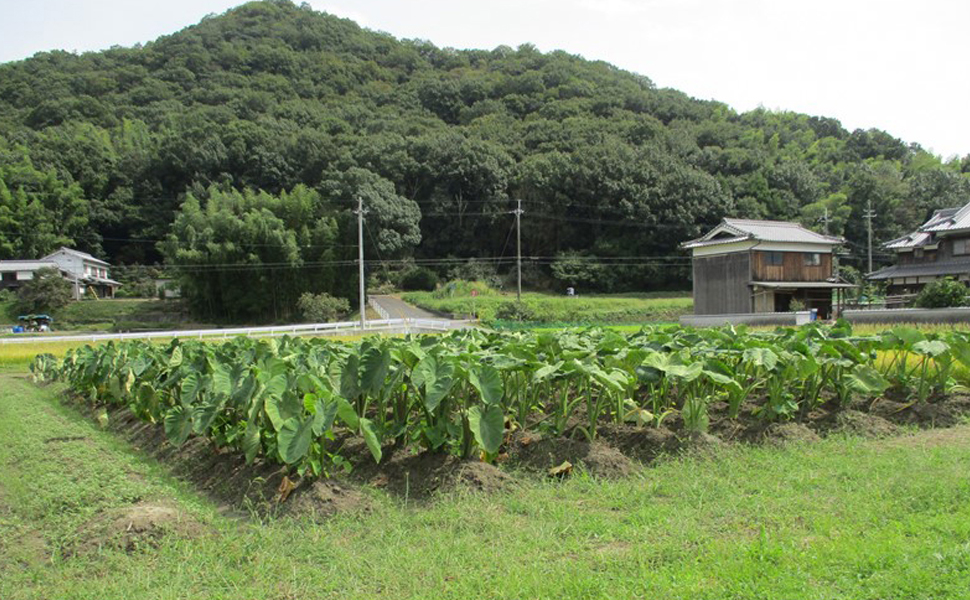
{"x": 236, "y": 149}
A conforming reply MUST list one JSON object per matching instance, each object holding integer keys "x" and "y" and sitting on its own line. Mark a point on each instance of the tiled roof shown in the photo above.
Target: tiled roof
{"x": 828, "y": 284}
{"x": 766, "y": 231}
{"x": 949, "y": 219}
{"x": 942, "y": 220}
{"x": 917, "y": 239}
{"x": 78, "y": 253}
{"x": 25, "y": 265}
{"x": 949, "y": 267}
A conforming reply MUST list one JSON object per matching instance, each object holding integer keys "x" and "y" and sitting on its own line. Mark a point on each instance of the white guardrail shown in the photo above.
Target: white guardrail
{"x": 342, "y": 328}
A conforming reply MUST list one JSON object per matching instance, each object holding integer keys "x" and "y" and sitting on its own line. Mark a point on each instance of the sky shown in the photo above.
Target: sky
{"x": 901, "y": 66}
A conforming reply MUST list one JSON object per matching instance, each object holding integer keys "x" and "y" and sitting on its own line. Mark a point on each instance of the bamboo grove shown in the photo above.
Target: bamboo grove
{"x": 298, "y": 401}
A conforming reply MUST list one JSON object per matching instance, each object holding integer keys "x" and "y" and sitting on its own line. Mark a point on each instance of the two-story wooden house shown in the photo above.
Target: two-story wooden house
{"x": 939, "y": 248}
{"x": 746, "y": 266}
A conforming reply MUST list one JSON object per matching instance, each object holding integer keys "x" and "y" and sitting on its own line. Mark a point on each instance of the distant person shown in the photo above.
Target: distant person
{"x": 570, "y": 291}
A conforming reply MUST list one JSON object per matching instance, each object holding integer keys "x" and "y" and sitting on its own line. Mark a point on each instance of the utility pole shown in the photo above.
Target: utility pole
{"x": 518, "y": 245}
{"x": 360, "y": 257}
{"x": 869, "y": 215}
{"x": 825, "y": 220}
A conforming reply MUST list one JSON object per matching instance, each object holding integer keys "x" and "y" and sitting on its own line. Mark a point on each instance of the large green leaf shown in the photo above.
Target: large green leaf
{"x": 325, "y": 411}
{"x": 251, "y": 442}
{"x": 349, "y": 378}
{"x": 293, "y": 440}
{"x": 488, "y": 427}
{"x": 685, "y": 373}
{"x": 190, "y": 388}
{"x": 176, "y": 359}
{"x": 280, "y": 409}
{"x": 221, "y": 380}
{"x": 178, "y": 425}
{"x": 244, "y": 395}
{"x": 908, "y": 335}
{"x": 347, "y": 413}
{"x": 547, "y": 371}
{"x": 866, "y": 380}
{"x": 204, "y": 414}
{"x": 424, "y": 372}
{"x": 275, "y": 386}
{"x": 373, "y": 370}
{"x": 444, "y": 380}
{"x": 961, "y": 351}
{"x": 932, "y": 348}
{"x": 487, "y": 381}
{"x": 760, "y": 357}
{"x": 370, "y": 438}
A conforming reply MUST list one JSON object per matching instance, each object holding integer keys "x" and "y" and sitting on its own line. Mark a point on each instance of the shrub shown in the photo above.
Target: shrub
{"x": 796, "y": 305}
{"x": 46, "y": 292}
{"x": 515, "y": 311}
{"x": 460, "y": 288}
{"x": 942, "y": 293}
{"x": 322, "y": 308}
{"x": 139, "y": 288}
{"x": 419, "y": 279}
{"x": 475, "y": 270}
{"x": 576, "y": 270}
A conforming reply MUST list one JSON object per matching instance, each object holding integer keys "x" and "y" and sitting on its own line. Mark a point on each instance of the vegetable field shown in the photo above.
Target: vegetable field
{"x": 298, "y": 401}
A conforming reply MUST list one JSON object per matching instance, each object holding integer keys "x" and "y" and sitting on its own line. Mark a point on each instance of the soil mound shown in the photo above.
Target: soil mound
{"x": 420, "y": 476}
{"x": 645, "y": 444}
{"x": 137, "y": 527}
{"x": 222, "y": 475}
{"x": 782, "y": 434}
{"x": 946, "y": 412}
{"x": 858, "y": 423}
{"x": 533, "y": 452}
{"x": 324, "y": 498}
{"x": 702, "y": 443}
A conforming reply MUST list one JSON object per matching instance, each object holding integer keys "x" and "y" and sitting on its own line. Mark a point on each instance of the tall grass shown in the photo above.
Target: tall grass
{"x": 556, "y": 309}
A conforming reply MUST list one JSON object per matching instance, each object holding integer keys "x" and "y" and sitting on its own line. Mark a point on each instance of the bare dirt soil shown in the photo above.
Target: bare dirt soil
{"x": 136, "y": 527}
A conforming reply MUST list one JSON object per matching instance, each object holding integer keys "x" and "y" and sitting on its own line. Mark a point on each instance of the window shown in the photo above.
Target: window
{"x": 813, "y": 259}
{"x": 918, "y": 253}
{"x": 774, "y": 259}
{"x": 961, "y": 247}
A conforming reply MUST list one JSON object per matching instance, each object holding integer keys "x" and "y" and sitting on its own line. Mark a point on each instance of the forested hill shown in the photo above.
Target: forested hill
{"x": 244, "y": 139}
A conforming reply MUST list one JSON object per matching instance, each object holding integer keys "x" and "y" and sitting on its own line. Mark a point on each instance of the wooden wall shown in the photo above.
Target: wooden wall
{"x": 721, "y": 284}
{"x": 793, "y": 268}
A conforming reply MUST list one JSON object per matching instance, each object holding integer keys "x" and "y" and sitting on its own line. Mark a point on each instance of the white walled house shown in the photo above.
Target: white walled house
{"x": 86, "y": 273}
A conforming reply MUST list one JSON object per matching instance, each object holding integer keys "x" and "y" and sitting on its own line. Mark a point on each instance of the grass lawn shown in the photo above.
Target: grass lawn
{"x": 842, "y": 518}
{"x": 124, "y": 314}
{"x": 554, "y": 310}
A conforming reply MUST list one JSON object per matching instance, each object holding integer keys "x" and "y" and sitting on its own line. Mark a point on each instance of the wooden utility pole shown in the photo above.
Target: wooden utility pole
{"x": 518, "y": 245}
{"x": 360, "y": 258}
{"x": 869, "y": 215}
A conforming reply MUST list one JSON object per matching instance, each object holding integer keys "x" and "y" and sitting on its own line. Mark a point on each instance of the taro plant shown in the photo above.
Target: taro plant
{"x": 296, "y": 401}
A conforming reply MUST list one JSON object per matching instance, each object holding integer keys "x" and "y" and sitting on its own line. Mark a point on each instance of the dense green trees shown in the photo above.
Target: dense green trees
{"x": 249, "y": 255}
{"x": 113, "y": 151}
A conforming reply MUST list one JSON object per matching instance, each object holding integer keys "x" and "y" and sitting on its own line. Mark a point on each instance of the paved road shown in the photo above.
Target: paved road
{"x": 399, "y": 309}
